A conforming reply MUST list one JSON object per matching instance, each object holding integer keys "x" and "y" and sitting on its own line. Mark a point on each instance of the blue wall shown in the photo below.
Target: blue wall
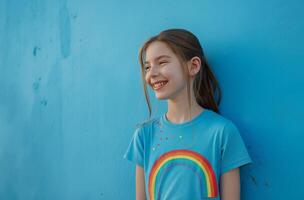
{"x": 71, "y": 94}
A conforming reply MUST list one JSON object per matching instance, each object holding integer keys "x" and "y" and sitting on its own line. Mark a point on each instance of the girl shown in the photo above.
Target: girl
{"x": 191, "y": 152}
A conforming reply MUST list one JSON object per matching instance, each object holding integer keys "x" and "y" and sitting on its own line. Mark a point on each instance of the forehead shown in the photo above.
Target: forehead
{"x": 157, "y": 50}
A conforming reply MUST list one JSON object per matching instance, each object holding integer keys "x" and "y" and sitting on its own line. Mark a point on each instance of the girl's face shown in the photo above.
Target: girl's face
{"x": 162, "y": 65}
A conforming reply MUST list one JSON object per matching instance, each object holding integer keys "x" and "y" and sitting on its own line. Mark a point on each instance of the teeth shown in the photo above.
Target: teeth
{"x": 159, "y": 84}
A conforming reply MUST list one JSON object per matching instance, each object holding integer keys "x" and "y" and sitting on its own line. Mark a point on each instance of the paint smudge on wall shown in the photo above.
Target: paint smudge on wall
{"x": 36, "y": 84}
{"x": 65, "y": 31}
{"x": 266, "y": 183}
{"x": 74, "y": 16}
{"x": 35, "y": 50}
{"x": 44, "y": 102}
{"x": 253, "y": 180}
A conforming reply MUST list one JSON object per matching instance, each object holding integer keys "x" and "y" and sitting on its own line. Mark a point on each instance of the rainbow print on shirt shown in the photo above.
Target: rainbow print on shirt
{"x": 178, "y": 155}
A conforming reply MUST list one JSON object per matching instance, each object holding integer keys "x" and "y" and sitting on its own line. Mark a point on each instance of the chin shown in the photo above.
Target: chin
{"x": 161, "y": 97}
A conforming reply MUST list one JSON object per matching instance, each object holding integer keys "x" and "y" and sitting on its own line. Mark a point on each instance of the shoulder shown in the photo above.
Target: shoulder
{"x": 218, "y": 121}
{"x": 147, "y": 125}
{"x": 223, "y": 127}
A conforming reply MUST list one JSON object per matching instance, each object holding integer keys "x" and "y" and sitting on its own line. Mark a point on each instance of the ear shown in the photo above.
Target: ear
{"x": 194, "y": 65}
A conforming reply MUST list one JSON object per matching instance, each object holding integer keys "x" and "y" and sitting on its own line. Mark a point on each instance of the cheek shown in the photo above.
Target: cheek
{"x": 172, "y": 74}
{"x": 177, "y": 80}
{"x": 147, "y": 79}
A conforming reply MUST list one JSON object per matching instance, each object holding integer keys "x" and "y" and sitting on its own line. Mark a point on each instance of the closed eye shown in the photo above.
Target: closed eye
{"x": 146, "y": 68}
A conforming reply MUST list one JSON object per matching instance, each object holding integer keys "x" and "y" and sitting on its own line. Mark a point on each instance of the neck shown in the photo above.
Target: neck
{"x": 179, "y": 109}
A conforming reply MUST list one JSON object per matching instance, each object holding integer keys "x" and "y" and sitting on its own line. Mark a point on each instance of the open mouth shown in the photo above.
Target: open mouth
{"x": 159, "y": 85}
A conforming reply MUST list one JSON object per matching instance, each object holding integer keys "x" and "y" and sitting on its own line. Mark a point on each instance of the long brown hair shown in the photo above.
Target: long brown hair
{"x": 186, "y": 45}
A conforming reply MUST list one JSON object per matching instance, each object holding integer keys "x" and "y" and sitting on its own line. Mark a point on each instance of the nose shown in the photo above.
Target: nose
{"x": 154, "y": 70}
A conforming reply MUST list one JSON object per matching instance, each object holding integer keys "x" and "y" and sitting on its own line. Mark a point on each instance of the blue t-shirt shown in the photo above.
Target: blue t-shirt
{"x": 185, "y": 161}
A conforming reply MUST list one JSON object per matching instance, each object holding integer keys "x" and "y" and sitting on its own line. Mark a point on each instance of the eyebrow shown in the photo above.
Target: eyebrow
{"x": 158, "y": 57}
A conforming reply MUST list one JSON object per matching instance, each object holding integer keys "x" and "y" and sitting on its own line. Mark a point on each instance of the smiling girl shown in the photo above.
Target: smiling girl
{"x": 190, "y": 152}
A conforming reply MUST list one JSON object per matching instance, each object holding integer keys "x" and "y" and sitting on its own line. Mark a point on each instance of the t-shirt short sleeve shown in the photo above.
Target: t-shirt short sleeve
{"x": 233, "y": 150}
{"x": 135, "y": 150}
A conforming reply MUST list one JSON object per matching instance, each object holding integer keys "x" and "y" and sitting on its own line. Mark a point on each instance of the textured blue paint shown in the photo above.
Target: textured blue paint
{"x": 70, "y": 92}
{"x": 65, "y": 30}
